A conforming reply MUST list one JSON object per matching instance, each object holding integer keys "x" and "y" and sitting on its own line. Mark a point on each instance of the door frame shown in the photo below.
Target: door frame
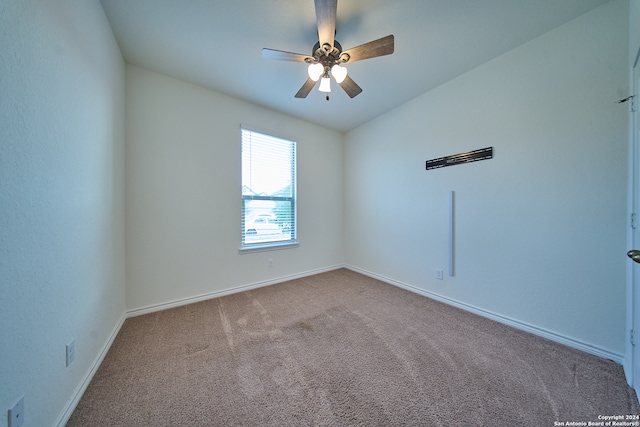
{"x": 632, "y": 347}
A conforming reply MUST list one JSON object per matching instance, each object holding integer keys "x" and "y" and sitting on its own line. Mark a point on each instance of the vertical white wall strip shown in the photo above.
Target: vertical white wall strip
{"x": 451, "y": 218}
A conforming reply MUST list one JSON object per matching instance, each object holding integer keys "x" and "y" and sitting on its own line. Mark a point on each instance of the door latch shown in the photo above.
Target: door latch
{"x": 632, "y": 104}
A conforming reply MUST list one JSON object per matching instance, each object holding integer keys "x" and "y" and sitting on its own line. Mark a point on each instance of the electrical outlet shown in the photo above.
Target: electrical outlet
{"x": 71, "y": 352}
{"x": 439, "y": 274}
{"x": 16, "y": 413}
{"x": 270, "y": 262}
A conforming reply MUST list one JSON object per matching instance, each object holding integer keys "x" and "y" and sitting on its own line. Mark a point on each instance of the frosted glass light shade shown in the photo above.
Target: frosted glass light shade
{"x": 339, "y": 73}
{"x": 315, "y": 71}
{"x": 325, "y": 85}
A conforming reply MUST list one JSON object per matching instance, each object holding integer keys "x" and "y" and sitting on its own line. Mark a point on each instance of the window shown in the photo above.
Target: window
{"x": 268, "y": 191}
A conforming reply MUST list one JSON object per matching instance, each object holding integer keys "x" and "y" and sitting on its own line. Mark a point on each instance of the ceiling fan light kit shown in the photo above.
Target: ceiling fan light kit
{"x": 339, "y": 73}
{"x": 315, "y": 71}
{"x": 325, "y": 84}
{"x": 327, "y": 55}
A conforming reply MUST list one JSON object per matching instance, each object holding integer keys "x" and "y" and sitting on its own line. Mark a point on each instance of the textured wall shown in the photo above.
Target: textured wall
{"x": 540, "y": 228}
{"x": 183, "y": 192}
{"x": 61, "y": 199}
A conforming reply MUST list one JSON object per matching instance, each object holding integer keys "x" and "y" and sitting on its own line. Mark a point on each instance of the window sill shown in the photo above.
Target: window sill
{"x": 268, "y": 247}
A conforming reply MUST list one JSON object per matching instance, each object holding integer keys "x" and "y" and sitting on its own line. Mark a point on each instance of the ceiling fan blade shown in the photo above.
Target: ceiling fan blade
{"x": 305, "y": 89}
{"x": 281, "y": 55}
{"x": 326, "y": 18}
{"x": 350, "y": 87}
{"x": 380, "y": 47}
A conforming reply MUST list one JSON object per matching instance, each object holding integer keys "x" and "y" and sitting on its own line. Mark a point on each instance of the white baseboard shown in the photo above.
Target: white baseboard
{"x": 190, "y": 300}
{"x": 570, "y": 342}
{"x": 77, "y": 395}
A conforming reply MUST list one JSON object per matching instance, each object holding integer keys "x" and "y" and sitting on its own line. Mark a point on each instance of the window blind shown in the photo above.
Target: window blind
{"x": 268, "y": 190}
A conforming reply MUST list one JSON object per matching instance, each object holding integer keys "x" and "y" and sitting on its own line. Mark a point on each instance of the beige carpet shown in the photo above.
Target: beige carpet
{"x": 342, "y": 349}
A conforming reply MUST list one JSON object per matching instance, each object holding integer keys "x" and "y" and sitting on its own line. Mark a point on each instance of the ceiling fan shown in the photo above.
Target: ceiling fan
{"x": 327, "y": 57}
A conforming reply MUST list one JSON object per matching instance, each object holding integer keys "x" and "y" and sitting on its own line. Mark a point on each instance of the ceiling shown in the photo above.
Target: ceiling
{"x": 217, "y": 44}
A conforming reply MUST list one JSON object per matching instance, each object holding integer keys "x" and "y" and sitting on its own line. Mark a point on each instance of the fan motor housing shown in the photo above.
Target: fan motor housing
{"x": 329, "y": 57}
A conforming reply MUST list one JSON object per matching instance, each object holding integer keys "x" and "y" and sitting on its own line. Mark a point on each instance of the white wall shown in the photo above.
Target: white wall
{"x": 61, "y": 200}
{"x": 540, "y": 228}
{"x": 183, "y": 193}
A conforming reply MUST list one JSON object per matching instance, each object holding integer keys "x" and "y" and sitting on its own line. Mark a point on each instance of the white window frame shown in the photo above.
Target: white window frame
{"x": 246, "y": 247}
